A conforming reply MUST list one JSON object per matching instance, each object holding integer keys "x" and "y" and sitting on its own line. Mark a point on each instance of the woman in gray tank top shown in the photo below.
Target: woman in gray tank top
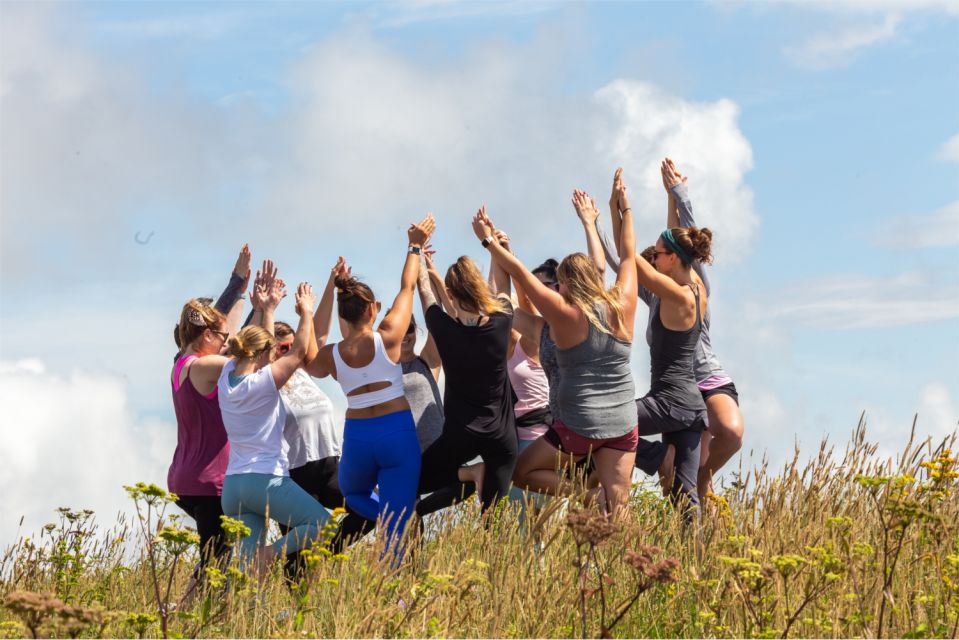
{"x": 593, "y": 329}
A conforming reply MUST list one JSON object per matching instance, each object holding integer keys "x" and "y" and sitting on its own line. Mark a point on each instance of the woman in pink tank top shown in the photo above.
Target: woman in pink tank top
{"x": 202, "y": 451}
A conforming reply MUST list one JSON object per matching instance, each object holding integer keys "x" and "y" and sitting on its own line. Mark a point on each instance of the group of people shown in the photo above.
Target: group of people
{"x": 538, "y": 387}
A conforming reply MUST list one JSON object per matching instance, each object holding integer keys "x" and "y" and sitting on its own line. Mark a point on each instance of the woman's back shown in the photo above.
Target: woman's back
{"x": 596, "y": 391}
{"x": 478, "y": 395}
{"x": 671, "y": 359}
{"x": 254, "y": 417}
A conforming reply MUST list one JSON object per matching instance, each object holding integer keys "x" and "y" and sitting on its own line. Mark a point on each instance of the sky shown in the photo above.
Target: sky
{"x": 142, "y": 144}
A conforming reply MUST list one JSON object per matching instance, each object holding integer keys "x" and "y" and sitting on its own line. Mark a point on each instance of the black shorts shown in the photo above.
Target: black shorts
{"x": 657, "y": 415}
{"x": 728, "y": 389}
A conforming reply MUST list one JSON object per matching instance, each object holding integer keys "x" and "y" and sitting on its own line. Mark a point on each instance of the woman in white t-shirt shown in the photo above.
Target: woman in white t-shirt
{"x": 257, "y": 476}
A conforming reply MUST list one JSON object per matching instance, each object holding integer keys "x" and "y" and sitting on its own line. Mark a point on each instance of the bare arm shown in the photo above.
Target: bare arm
{"x": 285, "y": 366}
{"x": 549, "y": 302}
{"x": 394, "y": 325}
{"x": 529, "y": 325}
{"x": 431, "y": 356}
{"x": 323, "y": 318}
{"x": 626, "y": 276}
{"x": 588, "y": 215}
{"x": 614, "y": 214}
{"x": 499, "y": 280}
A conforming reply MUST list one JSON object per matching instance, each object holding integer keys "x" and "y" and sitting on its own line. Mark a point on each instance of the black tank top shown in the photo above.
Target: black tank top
{"x": 671, "y": 361}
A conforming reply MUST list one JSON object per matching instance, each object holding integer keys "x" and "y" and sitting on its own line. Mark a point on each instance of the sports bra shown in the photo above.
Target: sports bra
{"x": 380, "y": 369}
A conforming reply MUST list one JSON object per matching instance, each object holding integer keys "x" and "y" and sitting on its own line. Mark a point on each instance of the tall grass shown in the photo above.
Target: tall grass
{"x": 844, "y": 545}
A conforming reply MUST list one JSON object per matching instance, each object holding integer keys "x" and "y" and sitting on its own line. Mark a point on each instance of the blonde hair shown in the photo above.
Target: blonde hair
{"x": 250, "y": 342}
{"x": 466, "y": 284}
{"x": 195, "y": 318}
{"x": 584, "y": 288}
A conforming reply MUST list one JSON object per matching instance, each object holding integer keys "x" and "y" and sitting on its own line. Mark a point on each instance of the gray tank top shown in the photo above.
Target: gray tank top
{"x": 596, "y": 395}
{"x": 547, "y": 358}
{"x": 423, "y": 394}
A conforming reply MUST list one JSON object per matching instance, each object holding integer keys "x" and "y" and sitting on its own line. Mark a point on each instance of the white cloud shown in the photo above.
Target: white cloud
{"x": 401, "y": 14}
{"x": 382, "y": 138}
{"x": 859, "y": 301}
{"x": 72, "y": 441}
{"x": 839, "y": 48}
{"x": 949, "y": 151}
{"x": 939, "y": 228}
{"x": 89, "y": 152}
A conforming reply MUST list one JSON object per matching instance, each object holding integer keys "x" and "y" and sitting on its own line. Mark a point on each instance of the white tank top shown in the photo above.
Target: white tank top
{"x": 380, "y": 369}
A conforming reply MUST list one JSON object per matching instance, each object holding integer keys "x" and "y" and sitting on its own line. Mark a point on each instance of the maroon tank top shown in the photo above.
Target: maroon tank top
{"x": 202, "y": 450}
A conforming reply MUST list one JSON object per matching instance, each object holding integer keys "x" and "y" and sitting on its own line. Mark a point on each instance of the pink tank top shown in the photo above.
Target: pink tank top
{"x": 531, "y": 387}
{"x": 202, "y": 450}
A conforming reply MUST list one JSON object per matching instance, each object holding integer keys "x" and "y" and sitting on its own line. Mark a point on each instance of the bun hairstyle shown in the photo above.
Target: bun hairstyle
{"x": 353, "y": 298}
{"x": 466, "y": 284}
{"x": 250, "y": 342}
{"x": 697, "y": 243}
{"x": 282, "y": 329}
{"x": 649, "y": 253}
{"x": 585, "y": 287}
{"x": 548, "y": 269}
{"x": 196, "y": 317}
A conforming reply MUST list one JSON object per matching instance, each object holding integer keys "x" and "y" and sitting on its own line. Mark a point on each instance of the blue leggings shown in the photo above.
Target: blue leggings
{"x": 248, "y": 497}
{"x": 381, "y": 451}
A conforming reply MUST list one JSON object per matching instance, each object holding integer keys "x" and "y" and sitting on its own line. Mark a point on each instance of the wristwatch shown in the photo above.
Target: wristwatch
{"x": 487, "y": 241}
{"x": 416, "y": 249}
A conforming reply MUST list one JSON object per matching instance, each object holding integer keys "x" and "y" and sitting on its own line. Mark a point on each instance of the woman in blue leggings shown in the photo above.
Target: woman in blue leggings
{"x": 380, "y": 447}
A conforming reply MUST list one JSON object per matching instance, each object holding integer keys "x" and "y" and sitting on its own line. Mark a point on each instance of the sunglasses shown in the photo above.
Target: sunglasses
{"x": 284, "y": 349}
{"x": 552, "y": 284}
{"x": 659, "y": 253}
{"x": 222, "y": 334}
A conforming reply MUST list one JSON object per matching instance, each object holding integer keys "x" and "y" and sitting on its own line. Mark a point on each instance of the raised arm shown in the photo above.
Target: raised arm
{"x": 499, "y": 280}
{"x": 436, "y": 283}
{"x": 627, "y": 274}
{"x": 615, "y": 216}
{"x": 549, "y": 302}
{"x": 268, "y": 293}
{"x": 588, "y": 214}
{"x": 239, "y": 278}
{"x": 323, "y": 318}
{"x": 394, "y": 325}
{"x": 681, "y": 209}
{"x": 283, "y": 367}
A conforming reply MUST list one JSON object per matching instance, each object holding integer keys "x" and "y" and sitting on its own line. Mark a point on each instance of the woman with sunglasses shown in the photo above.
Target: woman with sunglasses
{"x": 202, "y": 450}
{"x": 723, "y": 436}
{"x": 380, "y": 447}
{"x": 592, "y": 328}
{"x": 678, "y": 304}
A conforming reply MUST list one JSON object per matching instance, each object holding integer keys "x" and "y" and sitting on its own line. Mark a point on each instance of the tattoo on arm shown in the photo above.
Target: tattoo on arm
{"x": 426, "y": 289}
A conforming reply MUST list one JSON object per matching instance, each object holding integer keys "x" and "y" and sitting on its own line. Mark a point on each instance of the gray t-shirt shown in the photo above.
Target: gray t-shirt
{"x": 705, "y": 363}
{"x": 425, "y": 400}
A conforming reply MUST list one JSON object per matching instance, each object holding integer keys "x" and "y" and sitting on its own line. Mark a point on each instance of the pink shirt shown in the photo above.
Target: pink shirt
{"x": 202, "y": 450}
{"x": 531, "y": 387}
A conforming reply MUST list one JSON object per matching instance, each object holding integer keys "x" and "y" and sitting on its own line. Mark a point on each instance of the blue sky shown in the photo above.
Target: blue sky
{"x": 821, "y": 139}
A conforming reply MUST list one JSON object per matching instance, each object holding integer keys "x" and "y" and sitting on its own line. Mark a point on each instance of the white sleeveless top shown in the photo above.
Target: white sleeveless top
{"x": 380, "y": 369}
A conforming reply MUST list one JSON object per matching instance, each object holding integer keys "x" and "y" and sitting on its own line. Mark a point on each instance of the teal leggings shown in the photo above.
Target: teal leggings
{"x": 248, "y": 496}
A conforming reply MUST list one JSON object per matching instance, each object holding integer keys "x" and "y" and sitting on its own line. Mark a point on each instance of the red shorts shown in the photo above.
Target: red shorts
{"x": 561, "y": 437}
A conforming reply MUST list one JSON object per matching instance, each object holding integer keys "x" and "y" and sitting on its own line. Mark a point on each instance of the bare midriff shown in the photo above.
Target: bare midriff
{"x": 382, "y": 409}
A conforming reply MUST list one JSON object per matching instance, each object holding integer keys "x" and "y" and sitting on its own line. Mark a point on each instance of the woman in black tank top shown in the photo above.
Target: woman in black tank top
{"x": 674, "y": 407}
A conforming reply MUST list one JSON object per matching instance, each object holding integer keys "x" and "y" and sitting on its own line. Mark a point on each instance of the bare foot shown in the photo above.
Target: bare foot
{"x": 667, "y": 470}
{"x": 474, "y": 473}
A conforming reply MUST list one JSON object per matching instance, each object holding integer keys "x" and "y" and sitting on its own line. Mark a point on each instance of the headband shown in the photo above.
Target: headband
{"x": 667, "y": 237}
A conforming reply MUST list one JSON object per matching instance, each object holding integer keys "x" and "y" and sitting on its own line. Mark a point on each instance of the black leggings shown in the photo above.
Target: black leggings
{"x": 206, "y": 510}
{"x": 681, "y": 428}
{"x": 443, "y": 458}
